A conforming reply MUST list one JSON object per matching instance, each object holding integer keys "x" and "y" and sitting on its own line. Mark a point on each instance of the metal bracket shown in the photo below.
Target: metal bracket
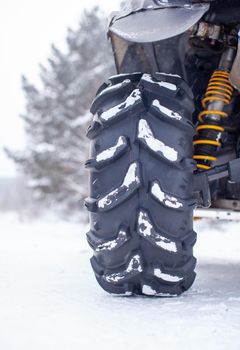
{"x": 219, "y": 214}
{"x": 203, "y": 179}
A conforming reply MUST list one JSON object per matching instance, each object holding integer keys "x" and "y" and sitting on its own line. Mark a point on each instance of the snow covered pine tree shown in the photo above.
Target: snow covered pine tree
{"x": 56, "y": 114}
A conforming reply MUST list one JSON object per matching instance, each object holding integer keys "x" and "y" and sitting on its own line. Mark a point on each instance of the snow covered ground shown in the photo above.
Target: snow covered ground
{"x": 49, "y": 299}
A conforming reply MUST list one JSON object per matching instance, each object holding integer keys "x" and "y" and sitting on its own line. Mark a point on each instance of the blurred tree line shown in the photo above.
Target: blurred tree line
{"x": 57, "y": 114}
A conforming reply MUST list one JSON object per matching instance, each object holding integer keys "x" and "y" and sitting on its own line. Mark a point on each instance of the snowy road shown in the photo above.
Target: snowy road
{"x": 49, "y": 299}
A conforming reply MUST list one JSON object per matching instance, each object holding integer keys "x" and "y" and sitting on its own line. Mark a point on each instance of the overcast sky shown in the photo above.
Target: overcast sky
{"x": 27, "y": 28}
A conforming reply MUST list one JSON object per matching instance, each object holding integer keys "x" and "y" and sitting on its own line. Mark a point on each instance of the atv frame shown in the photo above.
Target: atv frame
{"x": 165, "y": 142}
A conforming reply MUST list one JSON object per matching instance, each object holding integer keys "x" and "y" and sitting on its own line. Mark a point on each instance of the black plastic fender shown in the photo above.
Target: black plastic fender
{"x": 152, "y": 20}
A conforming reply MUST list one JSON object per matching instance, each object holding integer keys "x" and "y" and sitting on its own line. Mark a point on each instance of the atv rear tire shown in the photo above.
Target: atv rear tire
{"x": 141, "y": 185}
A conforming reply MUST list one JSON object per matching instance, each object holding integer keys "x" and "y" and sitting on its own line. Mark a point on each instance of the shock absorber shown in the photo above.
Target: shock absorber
{"x": 210, "y": 127}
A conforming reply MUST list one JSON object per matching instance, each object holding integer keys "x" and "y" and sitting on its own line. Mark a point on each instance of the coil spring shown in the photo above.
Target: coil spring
{"x": 209, "y": 130}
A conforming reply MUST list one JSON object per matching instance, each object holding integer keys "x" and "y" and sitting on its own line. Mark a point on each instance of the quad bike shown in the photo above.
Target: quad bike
{"x": 164, "y": 141}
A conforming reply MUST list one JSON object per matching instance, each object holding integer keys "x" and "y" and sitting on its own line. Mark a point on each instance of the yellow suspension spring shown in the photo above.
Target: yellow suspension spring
{"x": 209, "y": 130}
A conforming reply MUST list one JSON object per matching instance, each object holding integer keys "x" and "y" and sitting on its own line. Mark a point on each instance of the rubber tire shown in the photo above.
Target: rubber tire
{"x": 142, "y": 239}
